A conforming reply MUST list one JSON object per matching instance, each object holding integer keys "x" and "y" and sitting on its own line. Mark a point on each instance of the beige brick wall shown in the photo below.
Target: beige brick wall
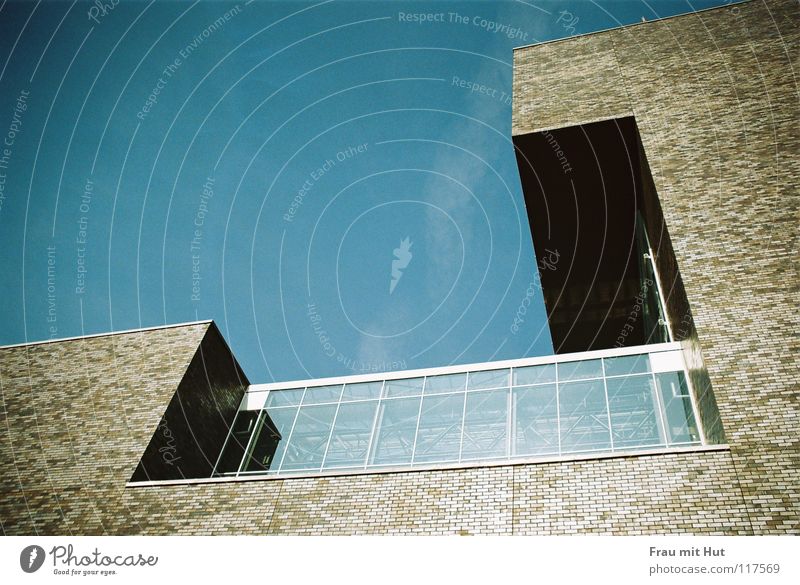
{"x": 715, "y": 96}
{"x": 717, "y": 110}
{"x": 678, "y": 493}
{"x": 75, "y": 425}
{"x": 77, "y": 416}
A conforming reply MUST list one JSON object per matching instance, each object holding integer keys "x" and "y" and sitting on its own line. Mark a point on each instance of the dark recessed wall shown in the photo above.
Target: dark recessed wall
{"x": 192, "y": 431}
{"x": 583, "y": 187}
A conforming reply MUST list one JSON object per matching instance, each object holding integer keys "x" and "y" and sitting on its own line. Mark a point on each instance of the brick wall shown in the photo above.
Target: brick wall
{"x": 716, "y": 108}
{"x": 77, "y": 416}
{"x": 715, "y": 99}
{"x": 679, "y": 493}
{"x": 81, "y": 413}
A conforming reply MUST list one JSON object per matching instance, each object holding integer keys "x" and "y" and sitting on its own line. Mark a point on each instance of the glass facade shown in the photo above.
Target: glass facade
{"x": 601, "y": 405}
{"x": 655, "y": 322}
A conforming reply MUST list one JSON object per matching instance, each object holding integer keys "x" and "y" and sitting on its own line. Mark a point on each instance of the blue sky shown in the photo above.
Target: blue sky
{"x": 262, "y": 171}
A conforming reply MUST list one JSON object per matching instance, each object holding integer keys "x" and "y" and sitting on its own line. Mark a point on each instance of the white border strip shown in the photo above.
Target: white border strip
{"x": 107, "y": 333}
{"x": 435, "y": 467}
{"x": 460, "y": 368}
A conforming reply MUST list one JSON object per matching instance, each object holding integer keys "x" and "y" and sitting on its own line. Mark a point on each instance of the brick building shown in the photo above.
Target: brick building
{"x": 670, "y": 406}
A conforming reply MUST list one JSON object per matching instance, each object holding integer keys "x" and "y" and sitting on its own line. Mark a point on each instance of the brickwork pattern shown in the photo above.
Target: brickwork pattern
{"x": 77, "y": 416}
{"x": 717, "y": 114}
{"x": 64, "y": 470}
{"x": 715, "y": 97}
{"x": 679, "y": 493}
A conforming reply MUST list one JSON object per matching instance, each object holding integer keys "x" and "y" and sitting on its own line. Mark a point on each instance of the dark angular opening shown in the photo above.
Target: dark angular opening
{"x": 594, "y": 222}
{"x": 608, "y": 270}
{"x": 189, "y": 437}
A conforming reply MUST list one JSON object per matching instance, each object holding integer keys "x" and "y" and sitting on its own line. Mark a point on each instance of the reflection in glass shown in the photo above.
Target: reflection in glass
{"x": 445, "y": 383}
{"x": 439, "y": 435}
{"x": 283, "y": 419}
{"x": 654, "y": 321}
{"x": 485, "y": 422}
{"x": 284, "y": 397}
{"x": 535, "y": 420}
{"x": 239, "y": 437}
{"x": 362, "y": 391}
{"x": 681, "y": 425}
{"x": 634, "y": 412}
{"x": 322, "y": 394}
{"x": 629, "y": 364}
{"x": 490, "y": 379}
{"x": 528, "y": 375}
{"x": 404, "y": 387}
{"x": 584, "y": 417}
{"x": 466, "y": 416}
{"x": 262, "y": 446}
{"x": 309, "y": 437}
{"x": 349, "y": 443}
{"x": 394, "y": 433}
{"x": 580, "y": 370}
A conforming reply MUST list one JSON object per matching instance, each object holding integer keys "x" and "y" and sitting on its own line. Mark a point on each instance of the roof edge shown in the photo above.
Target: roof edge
{"x": 460, "y": 368}
{"x": 626, "y": 26}
{"x": 108, "y": 333}
{"x": 239, "y": 369}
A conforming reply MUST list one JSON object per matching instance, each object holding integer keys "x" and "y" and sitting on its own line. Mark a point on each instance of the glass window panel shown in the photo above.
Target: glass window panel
{"x": 535, "y": 420}
{"x": 485, "y": 425}
{"x": 405, "y": 387}
{"x": 629, "y": 364}
{"x": 284, "y": 397}
{"x": 439, "y": 435}
{"x": 351, "y": 434}
{"x": 322, "y": 394}
{"x": 535, "y": 375}
{"x": 445, "y": 383}
{"x": 634, "y": 412}
{"x": 490, "y": 379}
{"x": 653, "y": 320}
{"x": 263, "y": 446}
{"x": 580, "y": 370}
{"x": 394, "y": 433}
{"x": 309, "y": 438}
{"x": 362, "y": 391}
{"x": 241, "y": 430}
{"x": 584, "y": 417}
{"x": 681, "y": 425}
{"x": 283, "y": 419}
